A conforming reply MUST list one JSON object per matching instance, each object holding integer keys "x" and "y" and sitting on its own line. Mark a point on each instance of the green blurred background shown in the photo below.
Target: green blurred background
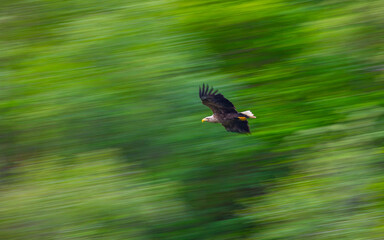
{"x": 100, "y": 120}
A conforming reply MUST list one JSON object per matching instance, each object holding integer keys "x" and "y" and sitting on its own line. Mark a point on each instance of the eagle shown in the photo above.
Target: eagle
{"x": 224, "y": 111}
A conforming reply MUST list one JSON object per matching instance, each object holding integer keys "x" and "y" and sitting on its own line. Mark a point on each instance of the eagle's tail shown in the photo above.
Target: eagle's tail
{"x": 248, "y": 114}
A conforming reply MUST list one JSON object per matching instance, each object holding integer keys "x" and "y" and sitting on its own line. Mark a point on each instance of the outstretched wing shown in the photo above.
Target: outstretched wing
{"x": 236, "y": 125}
{"x": 215, "y": 101}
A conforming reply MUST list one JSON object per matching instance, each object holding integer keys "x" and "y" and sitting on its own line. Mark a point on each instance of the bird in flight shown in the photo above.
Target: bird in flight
{"x": 223, "y": 111}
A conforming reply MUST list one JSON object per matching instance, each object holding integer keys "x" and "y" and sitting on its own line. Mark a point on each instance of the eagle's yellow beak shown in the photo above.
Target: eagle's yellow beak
{"x": 203, "y": 120}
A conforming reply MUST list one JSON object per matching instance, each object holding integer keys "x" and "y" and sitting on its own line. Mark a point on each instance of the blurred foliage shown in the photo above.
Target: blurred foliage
{"x": 335, "y": 190}
{"x": 100, "y": 132}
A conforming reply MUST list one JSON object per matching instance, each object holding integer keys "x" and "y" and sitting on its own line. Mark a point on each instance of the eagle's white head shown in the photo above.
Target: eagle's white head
{"x": 210, "y": 119}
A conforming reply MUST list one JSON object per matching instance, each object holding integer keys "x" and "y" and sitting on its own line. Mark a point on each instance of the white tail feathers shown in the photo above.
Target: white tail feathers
{"x": 249, "y": 114}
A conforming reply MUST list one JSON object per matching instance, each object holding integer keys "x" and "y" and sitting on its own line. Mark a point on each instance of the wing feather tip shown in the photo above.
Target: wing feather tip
{"x": 205, "y": 90}
{"x": 202, "y": 90}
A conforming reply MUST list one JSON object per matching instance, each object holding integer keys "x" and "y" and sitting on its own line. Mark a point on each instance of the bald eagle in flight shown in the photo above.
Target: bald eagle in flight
{"x": 223, "y": 111}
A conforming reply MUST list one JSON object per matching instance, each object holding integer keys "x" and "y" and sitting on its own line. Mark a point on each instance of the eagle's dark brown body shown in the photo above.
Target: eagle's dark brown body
{"x": 224, "y": 111}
